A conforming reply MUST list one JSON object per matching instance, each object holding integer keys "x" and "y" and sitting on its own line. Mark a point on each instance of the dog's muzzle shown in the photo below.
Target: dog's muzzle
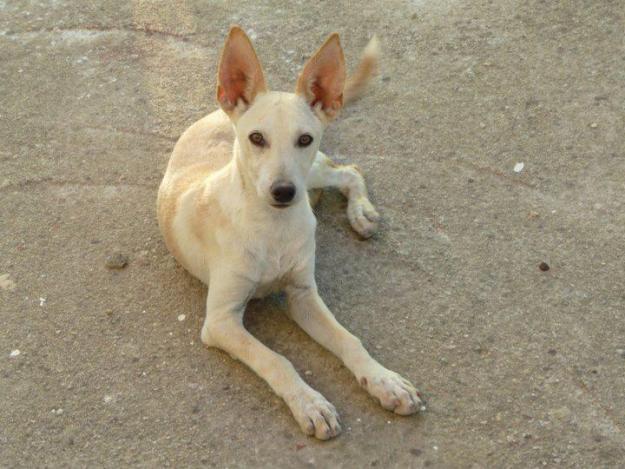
{"x": 283, "y": 193}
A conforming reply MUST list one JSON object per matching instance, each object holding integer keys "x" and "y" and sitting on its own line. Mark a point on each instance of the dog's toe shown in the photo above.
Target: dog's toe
{"x": 315, "y": 415}
{"x": 362, "y": 216}
{"x": 394, "y": 392}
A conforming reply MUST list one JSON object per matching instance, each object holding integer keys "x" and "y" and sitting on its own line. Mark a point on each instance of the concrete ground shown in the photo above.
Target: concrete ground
{"x": 521, "y": 367}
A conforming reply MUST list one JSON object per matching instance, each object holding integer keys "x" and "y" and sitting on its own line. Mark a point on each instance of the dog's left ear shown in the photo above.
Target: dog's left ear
{"x": 322, "y": 81}
{"x": 240, "y": 76}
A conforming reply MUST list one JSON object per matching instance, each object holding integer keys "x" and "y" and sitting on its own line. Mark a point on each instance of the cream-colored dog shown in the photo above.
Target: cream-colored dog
{"x": 234, "y": 210}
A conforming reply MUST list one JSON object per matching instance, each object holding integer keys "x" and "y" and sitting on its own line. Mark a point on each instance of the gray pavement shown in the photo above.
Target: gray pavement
{"x": 521, "y": 367}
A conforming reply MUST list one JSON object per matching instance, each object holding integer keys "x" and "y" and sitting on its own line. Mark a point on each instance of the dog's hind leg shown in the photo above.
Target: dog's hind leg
{"x": 347, "y": 178}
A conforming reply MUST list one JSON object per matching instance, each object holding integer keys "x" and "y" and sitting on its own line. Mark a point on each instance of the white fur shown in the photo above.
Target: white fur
{"x": 220, "y": 222}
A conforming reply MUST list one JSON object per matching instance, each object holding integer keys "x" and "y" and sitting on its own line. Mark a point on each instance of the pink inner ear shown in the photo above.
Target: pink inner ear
{"x": 233, "y": 85}
{"x": 326, "y": 99}
{"x": 326, "y": 92}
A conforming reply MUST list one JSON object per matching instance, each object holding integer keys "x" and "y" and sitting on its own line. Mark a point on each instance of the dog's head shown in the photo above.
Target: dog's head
{"x": 278, "y": 134}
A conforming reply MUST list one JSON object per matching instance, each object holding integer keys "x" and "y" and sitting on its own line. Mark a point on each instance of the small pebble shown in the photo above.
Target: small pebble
{"x": 14, "y": 353}
{"x": 308, "y": 373}
{"x": 181, "y": 317}
{"x": 543, "y": 266}
{"x": 6, "y": 283}
{"x": 519, "y": 167}
{"x": 108, "y": 399}
{"x": 593, "y": 125}
{"x": 116, "y": 261}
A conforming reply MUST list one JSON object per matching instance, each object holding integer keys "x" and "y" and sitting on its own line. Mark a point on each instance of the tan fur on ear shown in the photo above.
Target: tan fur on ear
{"x": 240, "y": 76}
{"x": 322, "y": 81}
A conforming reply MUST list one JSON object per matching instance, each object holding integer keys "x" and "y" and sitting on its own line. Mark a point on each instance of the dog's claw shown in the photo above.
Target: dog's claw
{"x": 315, "y": 415}
{"x": 362, "y": 216}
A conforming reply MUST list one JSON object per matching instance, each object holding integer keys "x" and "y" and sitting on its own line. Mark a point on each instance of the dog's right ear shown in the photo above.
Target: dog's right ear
{"x": 240, "y": 76}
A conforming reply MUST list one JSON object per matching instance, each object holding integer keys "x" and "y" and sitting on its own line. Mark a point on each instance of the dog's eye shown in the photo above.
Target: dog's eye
{"x": 304, "y": 140}
{"x": 257, "y": 139}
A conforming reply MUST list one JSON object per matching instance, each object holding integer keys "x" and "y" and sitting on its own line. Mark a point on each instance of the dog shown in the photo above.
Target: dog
{"x": 234, "y": 210}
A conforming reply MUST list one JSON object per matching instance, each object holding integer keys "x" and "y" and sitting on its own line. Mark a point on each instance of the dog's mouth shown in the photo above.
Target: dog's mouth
{"x": 279, "y": 205}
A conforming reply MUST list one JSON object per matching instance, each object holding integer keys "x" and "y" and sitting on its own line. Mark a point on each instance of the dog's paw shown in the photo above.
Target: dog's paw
{"x": 362, "y": 216}
{"x": 314, "y": 414}
{"x": 394, "y": 392}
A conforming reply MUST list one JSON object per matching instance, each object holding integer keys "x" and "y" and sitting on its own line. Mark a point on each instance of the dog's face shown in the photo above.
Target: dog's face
{"x": 278, "y": 134}
{"x": 278, "y": 139}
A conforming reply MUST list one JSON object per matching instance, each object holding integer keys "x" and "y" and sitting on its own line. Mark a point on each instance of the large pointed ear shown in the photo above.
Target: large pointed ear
{"x": 322, "y": 81}
{"x": 240, "y": 76}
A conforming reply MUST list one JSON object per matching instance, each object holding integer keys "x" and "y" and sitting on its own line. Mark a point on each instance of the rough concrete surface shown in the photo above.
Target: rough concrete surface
{"x": 521, "y": 367}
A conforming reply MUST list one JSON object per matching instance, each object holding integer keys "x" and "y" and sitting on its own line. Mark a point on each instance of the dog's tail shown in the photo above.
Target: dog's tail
{"x": 367, "y": 68}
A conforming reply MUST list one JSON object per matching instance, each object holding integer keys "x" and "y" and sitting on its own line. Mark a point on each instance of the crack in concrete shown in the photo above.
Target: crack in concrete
{"x": 126, "y": 130}
{"x": 51, "y": 182}
{"x": 106, "y": 29}
{"x": 608, "y": 415}
{"x": 6, "y": 156}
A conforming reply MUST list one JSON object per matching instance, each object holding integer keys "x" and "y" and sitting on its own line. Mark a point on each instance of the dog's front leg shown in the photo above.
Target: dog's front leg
{"x": 223, "y": 328}
{"x": 306, "y": 307}
{"x": 347, "y": 178}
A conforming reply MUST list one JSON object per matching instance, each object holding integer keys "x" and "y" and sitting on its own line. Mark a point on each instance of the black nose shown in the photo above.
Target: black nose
{"x": 283, "y": 192}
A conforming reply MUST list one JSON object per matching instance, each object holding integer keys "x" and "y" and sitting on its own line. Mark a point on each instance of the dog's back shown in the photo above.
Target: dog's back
{"x": 203, "y": 148}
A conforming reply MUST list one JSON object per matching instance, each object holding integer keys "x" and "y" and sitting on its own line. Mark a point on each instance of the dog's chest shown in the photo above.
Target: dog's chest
{"x": 273, "y": 254}
{"x": 274, "y": 261}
